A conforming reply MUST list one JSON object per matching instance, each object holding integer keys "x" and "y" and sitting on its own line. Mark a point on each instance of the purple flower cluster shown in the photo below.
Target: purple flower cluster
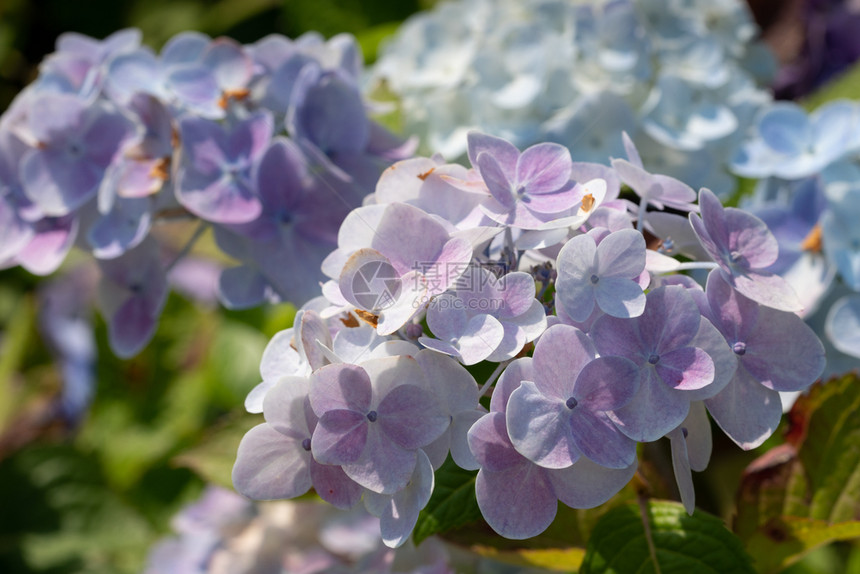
{"x": 537, "y": 263}
{"x": 269, "y": 144}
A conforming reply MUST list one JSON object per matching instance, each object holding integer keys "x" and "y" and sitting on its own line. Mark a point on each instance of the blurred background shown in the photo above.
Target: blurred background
{"x": 91, "y": 472}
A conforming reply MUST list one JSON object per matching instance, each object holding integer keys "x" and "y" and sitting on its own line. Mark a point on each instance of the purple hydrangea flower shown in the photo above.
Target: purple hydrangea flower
{"x": 775, "y": 350}
{"x": 216, "y": 180}
{"x": 743, "y": 248}
{"x": 518, "y": 498}
{"x": 602, "y": 275}
{"x": 275, "y": 459}
{"x": 373, "y": 418}
{"x": 562, "y": 412}
{"x": 681, "y": 358}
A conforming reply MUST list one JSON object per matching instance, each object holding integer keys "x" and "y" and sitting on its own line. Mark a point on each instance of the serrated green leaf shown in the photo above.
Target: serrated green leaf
{"x": 214, "y": 456}
{"x": 452, "y": 505}
{"x": 700, "y": 543}
{"x": 784, "y": 540}
{"x": 797, "y": 495}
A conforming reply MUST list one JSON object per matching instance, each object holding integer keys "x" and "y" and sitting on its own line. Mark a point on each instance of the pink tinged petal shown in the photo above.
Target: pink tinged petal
{"x": 369, "y": 281}
{"x": 340, "y": 437}
{"x": 490, "y": 444}
{"x": 619, "y": 297}
{"x": 614, "y": 336}
{"x": 242, "y": 287}
{"x": 768, "y": 289}
{"x": 671, "y": 319}
{"x": 104, "y": 135}
{"x": 203, "y": 142}
{"x": 559, "y": 357}
{"x": 512, "y": 343}
{"x": 440, "y": 346}
{"x": 783, "y": 353}
{"x": 280, "y": 358}
{"x": 133, "y": 325}
{"x": 248, "y": 140}
{"x": 312, "y": 330}
{"x": 587, "y": 484}
{"x": 230, "y": 64}
{"x": 384, "y": 467}
{"x": 52, "y": 116}
{"x": 655, "y": 410}
{"x": 454, "y": 386}
{"x": 674, "y": 193}
{"x": 710, "y": 246}
{"x": 505, "y": 152}
{"x": 515, "y": 373}
{"x": 411, "y": 417}
{"x": 271, "y": 466}
{"x": 459, "y": 431}
{"x": 222, "y": 200}
{"x": 333, "y": 485}
{"x": 498, "y": 184}
{"x": 699, "y": 440}
{"x": 446, "y": 318}
{"x": 518, "y": 293}
{"x": 544, "y": 168}
{"x": 683, "y": 473}
{"x": 400, "y": 512}
{"x": 576, "y": 265}
{"x": 725, "y": 361}
{"x": 686, "y": 368}
{"x": 631, "y": 151}
{"x": 750, "y": 236}
{"x": 621, "y": 254}
{"x": 733, "y": 314}
{"x": 57, "y": 183}
{"x": 600, "y": 440}
{"x": 552, "y": 206}
{"x": 341, "y": 386}
{"x": 195, "y": 86}
{"x": 450, "y": 263}
{"x": 538, "y": 427}
{"x": 606, "y": 383}
{"x": 482, "y": 336}
{"x": 254, "y": 400}
{"x": 747, "y": 411}
{"x": 637, "y": 178}
{"x": 713, "y": 218}
{"x": 407, "y": 236}
{"x": 53, "y": 239}
{"x": 413, "y": 296}
{"x": 518, "y": 502}
{"x": 285, "y": 407}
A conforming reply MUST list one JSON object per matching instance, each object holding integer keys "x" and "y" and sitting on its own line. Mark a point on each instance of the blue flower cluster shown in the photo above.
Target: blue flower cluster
{"x": 682, "y": 77}
{"x": 809, "y": 195}
{"x": 536, "y": 263}
{"x": 269, "y": 144}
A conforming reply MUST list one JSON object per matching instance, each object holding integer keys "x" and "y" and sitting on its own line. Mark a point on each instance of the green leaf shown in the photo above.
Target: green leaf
{"x": 214, "y": 456}
{"x": 806, "y": 492}
{"x": 700, "y": 543}
{"x": 784, "y": 540}
{"x": 452, "y": 505}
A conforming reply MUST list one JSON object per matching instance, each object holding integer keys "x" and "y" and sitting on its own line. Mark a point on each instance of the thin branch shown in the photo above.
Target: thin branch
{"x": 201, "y": 228}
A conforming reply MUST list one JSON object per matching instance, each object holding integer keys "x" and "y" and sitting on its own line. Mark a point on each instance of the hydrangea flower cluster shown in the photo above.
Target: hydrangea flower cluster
{"x": 269, "y": 144}
{"x": 224, "y": 533}
{"x": 809, "y": 194}
{"x": 682, "y": 77}
{"x": 536, "y": 263}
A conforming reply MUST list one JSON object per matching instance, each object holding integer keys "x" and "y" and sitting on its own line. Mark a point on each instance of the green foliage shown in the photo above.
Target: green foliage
{"x": 806, "y": 493}
{"x": 452, "y": 505}
{"x": 701, "y": 543}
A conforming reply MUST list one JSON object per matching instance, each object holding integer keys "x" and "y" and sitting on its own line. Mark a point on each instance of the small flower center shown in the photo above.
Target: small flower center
{"x": 594, "y": 279}
{"x": 735, "y": 256}
{"x": 739, "y": 348}
{"x": 372, "y": 416}
{"x": 654, "y": 358}
{"x": 571, "y": 403}
{"x": 306, "y": 444}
